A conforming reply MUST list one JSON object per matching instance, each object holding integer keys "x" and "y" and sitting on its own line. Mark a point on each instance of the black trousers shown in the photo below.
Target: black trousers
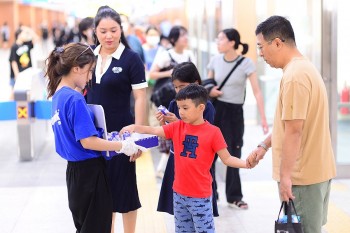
{"x": 89, "y": 196}
{"x": 229, "y": 118}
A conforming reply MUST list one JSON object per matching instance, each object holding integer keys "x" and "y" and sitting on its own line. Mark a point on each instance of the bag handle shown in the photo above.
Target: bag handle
{"x": 229, "y": 74}
{"x": 288, "y": 210}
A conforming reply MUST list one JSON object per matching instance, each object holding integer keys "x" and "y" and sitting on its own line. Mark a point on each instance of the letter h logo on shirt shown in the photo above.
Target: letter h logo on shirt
{"x": 190, "y": 145}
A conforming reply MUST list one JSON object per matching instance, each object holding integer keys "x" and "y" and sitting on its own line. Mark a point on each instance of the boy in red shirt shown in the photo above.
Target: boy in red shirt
{"x": 195, "y": 143}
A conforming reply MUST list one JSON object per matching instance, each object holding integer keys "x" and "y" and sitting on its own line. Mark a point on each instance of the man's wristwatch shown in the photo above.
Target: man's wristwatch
{"x": 263, "y": 145}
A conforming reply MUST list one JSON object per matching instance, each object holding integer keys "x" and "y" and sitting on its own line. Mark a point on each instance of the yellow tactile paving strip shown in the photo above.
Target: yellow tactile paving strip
{"x": 148, "y": 220}
{"x": 338, "y": 219}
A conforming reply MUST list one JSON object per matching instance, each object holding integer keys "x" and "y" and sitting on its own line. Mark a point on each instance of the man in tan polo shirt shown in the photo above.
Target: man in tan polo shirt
{"x": 303, "y": 160}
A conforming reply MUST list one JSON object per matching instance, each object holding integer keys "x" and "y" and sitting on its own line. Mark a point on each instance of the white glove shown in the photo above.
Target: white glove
{"x": 130, "y": 148}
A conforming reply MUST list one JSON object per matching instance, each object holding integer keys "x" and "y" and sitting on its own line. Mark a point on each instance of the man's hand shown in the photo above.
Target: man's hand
{"x": 285, "y": 189}
{"x": 260, "y": 153}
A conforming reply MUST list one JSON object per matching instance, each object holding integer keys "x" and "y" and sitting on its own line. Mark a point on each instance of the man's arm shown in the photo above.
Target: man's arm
{"x": 259, "y": 152}
{"x": 290, "y": 151}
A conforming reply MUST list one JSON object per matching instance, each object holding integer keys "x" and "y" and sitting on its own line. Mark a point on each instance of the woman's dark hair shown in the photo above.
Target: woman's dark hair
{"x": 84, "y": 25}
{"x": 186, "y": 72}
{"x": 175, "y": 33}
{"x": 106, "y": 12}
{"x": 62, "y": 59}
{"x": 197, "y": 93}
{"x": 233, "y": 35}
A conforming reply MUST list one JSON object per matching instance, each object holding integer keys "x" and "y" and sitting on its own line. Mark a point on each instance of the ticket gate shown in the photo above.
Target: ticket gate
{"x": 33, "y": 113}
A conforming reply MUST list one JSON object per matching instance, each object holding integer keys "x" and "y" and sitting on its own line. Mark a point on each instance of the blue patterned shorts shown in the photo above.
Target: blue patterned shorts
{"x": 193, "y": 214}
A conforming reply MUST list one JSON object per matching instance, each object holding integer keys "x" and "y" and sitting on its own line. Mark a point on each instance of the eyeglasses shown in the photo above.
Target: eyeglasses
{"x": 261, "y": 46}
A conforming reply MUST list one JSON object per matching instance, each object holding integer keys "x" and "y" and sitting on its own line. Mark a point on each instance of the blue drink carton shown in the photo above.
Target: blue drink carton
{"x": 163, "y": 109}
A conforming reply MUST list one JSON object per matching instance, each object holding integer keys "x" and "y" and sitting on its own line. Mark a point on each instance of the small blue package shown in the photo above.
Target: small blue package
{"x": 145, "y": 140}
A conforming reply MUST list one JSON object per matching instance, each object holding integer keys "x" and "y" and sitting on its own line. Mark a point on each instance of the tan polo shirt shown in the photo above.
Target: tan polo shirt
{"x": 303, "y": 96}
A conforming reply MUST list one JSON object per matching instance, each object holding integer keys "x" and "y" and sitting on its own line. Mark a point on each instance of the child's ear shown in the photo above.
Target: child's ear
{"x": 202, "y": 107}
{"x": 75, "y": 69}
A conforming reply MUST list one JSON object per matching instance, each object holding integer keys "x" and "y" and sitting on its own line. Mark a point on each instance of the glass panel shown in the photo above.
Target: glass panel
{"x": 205, "y": 21}
{"x": 305, "y": 17}
{"x": 343, "y": 85}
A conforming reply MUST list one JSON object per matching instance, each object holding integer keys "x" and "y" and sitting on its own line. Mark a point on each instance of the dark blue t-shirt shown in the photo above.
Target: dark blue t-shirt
{"x": 72, "y": 121}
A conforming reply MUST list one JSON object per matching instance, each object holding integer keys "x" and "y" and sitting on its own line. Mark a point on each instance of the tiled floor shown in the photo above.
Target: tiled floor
{"x": 33, "y": 195}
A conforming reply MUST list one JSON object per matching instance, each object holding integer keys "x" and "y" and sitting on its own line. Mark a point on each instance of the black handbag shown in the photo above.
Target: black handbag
{"x": 163, "y": 93}
{"x": 210, "y": 82}
{"x": 290, "y": 223}
{"x": 163, "y": 90}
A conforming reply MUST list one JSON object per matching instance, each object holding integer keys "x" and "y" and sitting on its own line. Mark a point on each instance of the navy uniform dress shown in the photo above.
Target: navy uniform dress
{"x": 112, "y": 90}
{"x": 165, "y": 202}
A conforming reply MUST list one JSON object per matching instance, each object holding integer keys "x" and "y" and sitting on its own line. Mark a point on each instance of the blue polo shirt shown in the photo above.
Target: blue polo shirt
{"x": 72, "y": 121}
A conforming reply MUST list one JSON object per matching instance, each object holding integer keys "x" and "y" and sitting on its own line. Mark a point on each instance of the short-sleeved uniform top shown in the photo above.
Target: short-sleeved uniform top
{"x": 72, "y": 121}
{"x": 122, "y": 72}
{"x": 303, "y": 96}
{"x": 194, "y": 150}
{"x": 21, "y": 55}
{"x": 234, "y": 88}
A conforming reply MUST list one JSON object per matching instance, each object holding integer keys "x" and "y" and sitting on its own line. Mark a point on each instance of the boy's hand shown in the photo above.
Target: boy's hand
{"x": 129, "y": 128}
{"x": 170, "y": 117}
{"x": 130, "y": 148}
{"x": 251, "y": 160}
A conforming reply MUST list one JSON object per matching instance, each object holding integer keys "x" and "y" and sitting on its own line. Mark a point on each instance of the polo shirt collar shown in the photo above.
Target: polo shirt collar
{"x": 117, "y": 53}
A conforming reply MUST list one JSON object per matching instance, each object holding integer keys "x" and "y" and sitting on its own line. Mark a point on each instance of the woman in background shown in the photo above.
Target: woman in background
{"x": 229, "y": 104}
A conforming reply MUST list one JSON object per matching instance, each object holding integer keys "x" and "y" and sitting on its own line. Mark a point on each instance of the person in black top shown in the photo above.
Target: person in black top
{"x": 119, "y": 72}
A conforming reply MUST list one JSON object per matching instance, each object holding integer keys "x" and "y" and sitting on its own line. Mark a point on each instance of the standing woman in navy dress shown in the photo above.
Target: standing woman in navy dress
{"x": 119, "y": 71}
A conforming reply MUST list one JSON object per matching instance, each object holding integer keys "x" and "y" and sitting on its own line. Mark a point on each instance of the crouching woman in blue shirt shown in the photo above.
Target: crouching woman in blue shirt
{"x": 77, "y": 141}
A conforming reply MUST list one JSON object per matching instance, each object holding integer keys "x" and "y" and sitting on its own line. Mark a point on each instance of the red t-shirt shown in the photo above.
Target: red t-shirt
{"x": 194, "y": 150}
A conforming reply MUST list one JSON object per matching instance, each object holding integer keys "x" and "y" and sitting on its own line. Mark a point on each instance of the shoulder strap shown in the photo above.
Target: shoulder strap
{"x": 171, "y": 58}
{"x": 229, "y": 74}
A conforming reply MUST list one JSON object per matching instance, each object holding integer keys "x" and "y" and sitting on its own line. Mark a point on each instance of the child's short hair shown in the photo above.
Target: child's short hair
{"x": 198, "y": 94}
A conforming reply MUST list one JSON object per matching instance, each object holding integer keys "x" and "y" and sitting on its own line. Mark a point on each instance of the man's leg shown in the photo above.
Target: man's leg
{"x": 311, "y": 203}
